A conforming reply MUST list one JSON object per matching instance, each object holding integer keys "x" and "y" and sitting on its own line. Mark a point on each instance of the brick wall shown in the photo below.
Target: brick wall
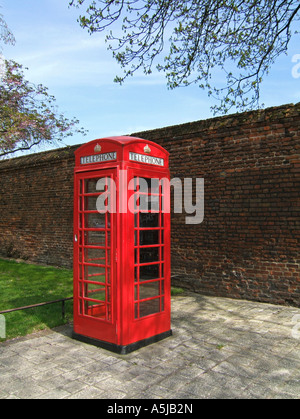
{"x": 248, "y": 244}
{"x": 36, "y": 218}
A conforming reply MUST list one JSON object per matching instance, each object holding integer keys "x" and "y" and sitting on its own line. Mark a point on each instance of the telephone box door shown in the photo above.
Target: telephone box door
{"x": 148, "y": 235}
{"x": 94, "y": 262}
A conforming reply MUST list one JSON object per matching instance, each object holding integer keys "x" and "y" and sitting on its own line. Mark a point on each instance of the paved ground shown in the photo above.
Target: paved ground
{"x": 221, "y": 348}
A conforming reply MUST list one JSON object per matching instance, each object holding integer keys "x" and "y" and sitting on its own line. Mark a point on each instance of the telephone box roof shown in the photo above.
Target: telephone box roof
{"x": 123, "y": 141}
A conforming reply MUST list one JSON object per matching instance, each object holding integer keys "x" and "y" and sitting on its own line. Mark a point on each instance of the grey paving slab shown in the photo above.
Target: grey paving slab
{"x": 220, "y": 349}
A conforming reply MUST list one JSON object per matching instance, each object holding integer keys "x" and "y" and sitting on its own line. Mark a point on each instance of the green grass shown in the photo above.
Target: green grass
{"x": 176, "y": 291}
{"x": 22, "y": 284}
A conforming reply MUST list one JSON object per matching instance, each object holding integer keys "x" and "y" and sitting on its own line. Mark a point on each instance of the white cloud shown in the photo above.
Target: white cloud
{"x": 62, "y": 48}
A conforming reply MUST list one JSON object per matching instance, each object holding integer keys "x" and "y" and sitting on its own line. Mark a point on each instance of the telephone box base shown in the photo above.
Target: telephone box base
{"x": 120, "y": 349}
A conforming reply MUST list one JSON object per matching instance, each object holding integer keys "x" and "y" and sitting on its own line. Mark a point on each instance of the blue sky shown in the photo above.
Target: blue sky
{"x": 79, "y": 72}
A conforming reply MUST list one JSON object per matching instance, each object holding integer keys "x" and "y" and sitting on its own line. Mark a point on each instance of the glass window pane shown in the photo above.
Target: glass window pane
{"x": 136, "y": 311}
{"x": 162, "y": 236}
{"x": 149, "y": 185}
{"x": 90, "y": 203}
{"x": 154, "y": 186}
{"x": 149, "y": 220}
{"x": 149, "y": 272}
{"x": 149, "y": 307}
{"x": 95, "y": 238}
{"x": 148, "y": 237}
{"x": 144, "y": 185}
{"x": 95, "y": 256}
{"x": 95, "y": 220}
{"x": 154, "y": 203}
{"x": 149, "y": 203}
{"x": 149, "y": 290}
{"x": 95, "y": 273}
{"x": 162, "y": 203}
{"x": 144, "y": 203}
{"x": 108, "y": 275}
{"x": 135, "y": 238}
{"x": 95, "y": 291}
{"x": 91, "y": 185}
{"x": 80, "y": 238}
{"x": 150, "y": 254}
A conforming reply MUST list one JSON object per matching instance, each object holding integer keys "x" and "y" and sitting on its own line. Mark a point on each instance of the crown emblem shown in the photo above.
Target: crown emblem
{"x": 97, "y": 148}
{"x": 147, "y": 149}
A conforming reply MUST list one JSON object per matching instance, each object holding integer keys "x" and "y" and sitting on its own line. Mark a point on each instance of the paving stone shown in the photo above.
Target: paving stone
{"x": 220, "y": 348}
{"x": 26, "y": 389}
{"x": 57, "y": 393}
{"x": 87, "y": 392}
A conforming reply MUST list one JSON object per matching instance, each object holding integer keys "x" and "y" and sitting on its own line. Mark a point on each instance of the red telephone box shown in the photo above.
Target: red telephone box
{"x": 121, "y": 244}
